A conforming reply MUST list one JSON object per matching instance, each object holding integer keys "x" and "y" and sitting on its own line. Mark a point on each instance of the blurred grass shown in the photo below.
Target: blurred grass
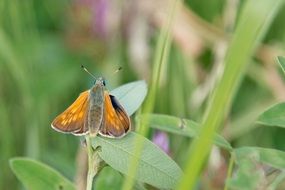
{"x": 32, "y": 77}
{"x": 252, "y": 26}
{"x": 160, "y": 62}
{"x": 40, "y": 76}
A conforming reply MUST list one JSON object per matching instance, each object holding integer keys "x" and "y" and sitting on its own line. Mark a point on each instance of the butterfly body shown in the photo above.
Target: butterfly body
{"x": 96, "y": 107}
{"x": 94, "y": 111}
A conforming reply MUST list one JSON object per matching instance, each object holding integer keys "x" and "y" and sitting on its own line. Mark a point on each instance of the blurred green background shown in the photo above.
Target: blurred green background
{"x": 43, "y": 44}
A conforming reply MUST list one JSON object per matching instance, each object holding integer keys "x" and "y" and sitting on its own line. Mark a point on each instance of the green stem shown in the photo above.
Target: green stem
{"x": 93, "y": 163}
{"x": 161, "y": 56}
{"x": 253, "y": 23}
{"x": 230, "y": 170}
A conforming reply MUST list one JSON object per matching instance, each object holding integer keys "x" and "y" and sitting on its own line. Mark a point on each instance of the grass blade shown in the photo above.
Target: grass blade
{"x": 281, "y": 61}
{"x": 254, "y": 22}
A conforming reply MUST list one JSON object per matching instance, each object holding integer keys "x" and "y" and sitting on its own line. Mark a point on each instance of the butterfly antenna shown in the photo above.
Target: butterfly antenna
{"x": 87, "y": 71}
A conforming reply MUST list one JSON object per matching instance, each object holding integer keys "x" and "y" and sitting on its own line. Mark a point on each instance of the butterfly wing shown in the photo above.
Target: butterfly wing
{"x": 72, "y": 120}
{"x": 116, "y": 122}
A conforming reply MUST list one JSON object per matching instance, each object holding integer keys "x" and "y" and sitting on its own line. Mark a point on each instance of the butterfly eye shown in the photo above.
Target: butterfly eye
{"x": 104, "y": 82}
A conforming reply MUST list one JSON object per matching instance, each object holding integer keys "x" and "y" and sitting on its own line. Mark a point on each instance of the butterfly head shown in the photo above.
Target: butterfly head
{"x": 99, "y": 86}
{"x": 100, "y": 82}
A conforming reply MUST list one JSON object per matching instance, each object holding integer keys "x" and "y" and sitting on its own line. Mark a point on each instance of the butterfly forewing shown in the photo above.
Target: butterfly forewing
{"x": 116, "y": 122}
{"x": 72, "y": 120}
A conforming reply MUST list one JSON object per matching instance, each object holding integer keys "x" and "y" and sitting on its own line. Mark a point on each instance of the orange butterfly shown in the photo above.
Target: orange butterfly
{"x": 94, "y": 111}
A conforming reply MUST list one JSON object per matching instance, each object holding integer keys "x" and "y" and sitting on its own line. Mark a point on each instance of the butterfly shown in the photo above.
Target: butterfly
{"x": 94, "y": 111}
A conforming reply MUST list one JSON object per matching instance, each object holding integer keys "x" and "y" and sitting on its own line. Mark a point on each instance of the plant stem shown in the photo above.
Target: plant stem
{"x": 230, "y": 170}
{"x": 160, "y": 60}
{"x": 255, "y": 19}
{"x": 93, "y": 163}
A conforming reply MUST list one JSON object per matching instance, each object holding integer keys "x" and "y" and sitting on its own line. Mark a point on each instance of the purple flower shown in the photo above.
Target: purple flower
{"x": 100, "y": 17}
{"x": 98, "y": 10}
{"x": 161, "y": 140}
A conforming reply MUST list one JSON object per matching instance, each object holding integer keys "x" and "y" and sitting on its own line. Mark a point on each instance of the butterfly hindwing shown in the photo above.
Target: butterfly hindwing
{"x": 72, "y": 120}
{"x": 116, "y": 122}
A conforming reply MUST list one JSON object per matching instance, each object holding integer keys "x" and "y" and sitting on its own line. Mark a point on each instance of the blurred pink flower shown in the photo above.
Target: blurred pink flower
{"x": 161, "y": 139}
{"x": 98, "y": 10}
{"x": 100, "y": 17}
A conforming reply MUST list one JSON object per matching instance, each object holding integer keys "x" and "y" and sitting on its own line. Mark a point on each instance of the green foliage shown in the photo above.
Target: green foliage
{"x": 43, "y": 44}
{"x": 253, "y": 23}
{"x": 35, "y": 175}
{"x": 247, "y": 177}
{"x": 275, "y": 184}
{"x": 111, "y": 179}
{"x": 131, "y": 95}
{"x": 161, "y": 54}
{"x": 272, "y": 157}
{"x": 108, "y": 178}
{"x": 209, "y": 10}
{"x": 281, "y": 61}
{"x": 250, "y": 173}
{"x": 274, "y": 116}
{"x": 179, "y": 126}
{"x": 154, "y": 166}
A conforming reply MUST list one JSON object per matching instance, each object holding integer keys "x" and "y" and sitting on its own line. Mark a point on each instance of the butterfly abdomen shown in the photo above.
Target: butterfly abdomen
{"x": 95, "y": 116}
{"x": 96, "y": 108}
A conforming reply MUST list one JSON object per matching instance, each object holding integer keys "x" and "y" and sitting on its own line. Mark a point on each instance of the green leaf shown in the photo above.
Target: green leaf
{"x": 131, "y": 95}
{"x": 35, "y": 175}
{"x": 111, "y": 179}
{"x": 281, "y": 61}
{"x": 253, "y": 23}
{"x": 154, "y": 166}
{"x": 277, "y": 181}
{"x": 108, "y": 179}
{"x": 271, "y": 157}
{"x": 274, "y": 116}
{"x": 248, "y": 176}
{"x": 179, "y": 126}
